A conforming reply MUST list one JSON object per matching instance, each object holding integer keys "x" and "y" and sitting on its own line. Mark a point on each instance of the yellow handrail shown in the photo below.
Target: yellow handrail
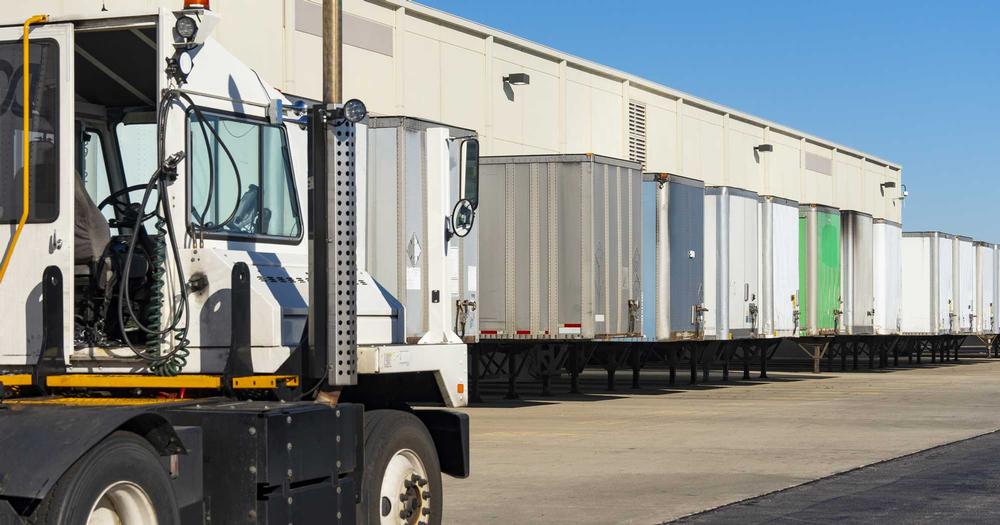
{"x": 26, "y": 143}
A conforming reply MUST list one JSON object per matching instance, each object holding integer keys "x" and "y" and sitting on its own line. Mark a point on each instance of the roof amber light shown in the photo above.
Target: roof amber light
{"x": 196, "y": 4}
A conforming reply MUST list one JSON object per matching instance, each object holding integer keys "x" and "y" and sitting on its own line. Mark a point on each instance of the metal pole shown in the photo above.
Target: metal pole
{"x": 333, "y": 44}
{"x": 848, "y": 231}
{"x": 662, "y": 261}
{"x": 767, "y": 272}
{"x": 812, "y": 277}
{"x": 332, "y": 73}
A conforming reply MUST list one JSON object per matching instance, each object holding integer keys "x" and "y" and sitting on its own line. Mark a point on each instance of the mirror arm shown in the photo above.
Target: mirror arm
{"x": 449, "y": 232}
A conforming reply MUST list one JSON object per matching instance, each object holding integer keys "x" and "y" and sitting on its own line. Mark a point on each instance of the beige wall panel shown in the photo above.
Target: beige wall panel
{"x": 606, "y": 126}
{"x": 784, "y": 168}
{"x": 744, "y": 168}
{"x": 847, "y": 181}
{"x": 503, "y": 147}
{"x": 893, "y": 206}
{"x": 532, "y": 150}
{"x": 817, "y": 178}
{"x": 369, "y": 10}
{"x": 470, "y": 41}
{"x": 306, "y": 79}
{"x": 578, "y": 75}
{"x": 608, "y": 85}
{"x": 817, "y": 188}
{"x": 818, "y": 150}
{"x": 263, "y": 19}
{"x": 463, "y": 95}
{"x": 872, "y": 198}
{"x": 702, "y": 155}
{"x": 541, "y": 111}
{"x": 704, "y": 115}
{"x": 661, "y": 140}
{"x": 375, "y": 88}
{"x": 424, "y": 27}
{"x": 652, "y": 99}
{"x": 577, "y": 118}
{"x": 422, "y": 76}
{"x": 508, "y": 105}
{"x": 524, "y": 60}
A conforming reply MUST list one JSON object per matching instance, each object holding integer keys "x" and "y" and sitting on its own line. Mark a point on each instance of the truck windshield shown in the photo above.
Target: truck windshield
{"x": 43, "y": 107}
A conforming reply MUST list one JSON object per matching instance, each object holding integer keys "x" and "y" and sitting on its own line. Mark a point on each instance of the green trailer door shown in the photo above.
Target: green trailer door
{"x": 828, "y": 294}
{"x": 826, "y": 266}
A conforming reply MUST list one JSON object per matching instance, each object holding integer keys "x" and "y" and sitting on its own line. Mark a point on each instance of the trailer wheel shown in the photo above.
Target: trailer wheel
{"x": 402, "y": 478}
{"x": 119, "y": 482}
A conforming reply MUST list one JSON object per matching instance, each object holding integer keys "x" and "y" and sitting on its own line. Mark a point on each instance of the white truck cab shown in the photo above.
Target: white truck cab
{"x": 168, "y": 240}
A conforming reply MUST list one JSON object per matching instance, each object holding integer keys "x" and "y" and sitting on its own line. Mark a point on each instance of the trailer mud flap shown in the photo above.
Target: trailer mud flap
{"x": 450, "y": 431}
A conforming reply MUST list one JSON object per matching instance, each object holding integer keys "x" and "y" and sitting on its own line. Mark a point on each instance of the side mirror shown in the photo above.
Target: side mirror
{"x": 463, "y": 215}
{"x": 470, "y": 172}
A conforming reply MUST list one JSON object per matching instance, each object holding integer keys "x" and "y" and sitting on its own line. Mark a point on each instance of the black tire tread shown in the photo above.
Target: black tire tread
{"x": 47, "y": 511}
{"x": 379, "y": 430}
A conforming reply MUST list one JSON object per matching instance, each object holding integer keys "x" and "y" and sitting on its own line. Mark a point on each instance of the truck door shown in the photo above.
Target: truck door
{"x": 46, "y": 238}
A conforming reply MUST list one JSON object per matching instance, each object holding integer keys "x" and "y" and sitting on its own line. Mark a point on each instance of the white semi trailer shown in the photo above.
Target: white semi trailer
{"x": 180, "y": 282}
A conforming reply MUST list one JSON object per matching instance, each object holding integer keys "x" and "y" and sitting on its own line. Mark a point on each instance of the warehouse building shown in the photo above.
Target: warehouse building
{"x": 403, "y": 58}
{"x": 523, "y": 98}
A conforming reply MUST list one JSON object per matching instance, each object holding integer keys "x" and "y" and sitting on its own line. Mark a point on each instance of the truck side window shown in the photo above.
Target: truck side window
{"x": 256, "y": 197}
{"x": 43, "y": 149}
{"x": 137, "y": 147}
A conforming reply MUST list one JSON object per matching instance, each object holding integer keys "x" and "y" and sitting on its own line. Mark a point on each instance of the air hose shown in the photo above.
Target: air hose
{"x": 173, "y": 362}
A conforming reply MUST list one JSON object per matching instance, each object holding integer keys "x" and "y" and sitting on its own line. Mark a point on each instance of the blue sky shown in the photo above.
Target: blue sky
{"x": 914, "y": 82}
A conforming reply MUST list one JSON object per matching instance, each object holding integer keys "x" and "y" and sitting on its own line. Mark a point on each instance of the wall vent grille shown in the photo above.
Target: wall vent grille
{"x": 818, "y": 163}
{"x": 637, "y": 133}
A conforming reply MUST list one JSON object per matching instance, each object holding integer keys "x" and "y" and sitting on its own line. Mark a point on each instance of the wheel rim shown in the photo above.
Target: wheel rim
{"x": 405, "y": 496}
{"x": 123, "y": 503}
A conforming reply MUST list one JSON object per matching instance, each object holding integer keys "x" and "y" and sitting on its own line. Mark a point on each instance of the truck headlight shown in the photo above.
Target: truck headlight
{"x": 186, "y": 27}
{"x": 355, "y": 110}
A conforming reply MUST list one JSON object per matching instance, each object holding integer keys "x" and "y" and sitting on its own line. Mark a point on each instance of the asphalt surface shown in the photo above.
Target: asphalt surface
{"x": 955, "y": 483}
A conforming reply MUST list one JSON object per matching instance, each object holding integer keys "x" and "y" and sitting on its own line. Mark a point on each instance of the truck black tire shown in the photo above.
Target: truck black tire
{"x": 120, "y": 478}
{"x": 402, "y": 477}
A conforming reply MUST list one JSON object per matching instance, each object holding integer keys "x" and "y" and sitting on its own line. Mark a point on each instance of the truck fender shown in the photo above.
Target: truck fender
{"x": 40, "y": 443}
{"x": 450, "y": 432}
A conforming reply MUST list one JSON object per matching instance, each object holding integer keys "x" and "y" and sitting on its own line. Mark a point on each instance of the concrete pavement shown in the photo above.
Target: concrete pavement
{"x": 658, "y": 454}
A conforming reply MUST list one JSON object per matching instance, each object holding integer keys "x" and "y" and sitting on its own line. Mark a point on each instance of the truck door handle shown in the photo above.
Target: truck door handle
{"x": 55, "y": 243}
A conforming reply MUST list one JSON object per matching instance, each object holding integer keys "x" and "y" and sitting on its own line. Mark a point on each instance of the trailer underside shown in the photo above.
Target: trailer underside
{"x": 517, "y": 361}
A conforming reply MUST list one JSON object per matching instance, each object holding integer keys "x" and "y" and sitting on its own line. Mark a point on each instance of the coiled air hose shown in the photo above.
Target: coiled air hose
{"x": 174, "y": 361}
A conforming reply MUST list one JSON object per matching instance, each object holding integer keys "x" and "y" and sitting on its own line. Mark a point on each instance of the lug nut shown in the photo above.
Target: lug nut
{"x": 426, "y": 495}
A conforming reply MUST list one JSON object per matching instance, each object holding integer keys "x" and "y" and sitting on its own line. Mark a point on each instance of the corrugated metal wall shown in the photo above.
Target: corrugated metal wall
{"x": 561, "y": 247}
